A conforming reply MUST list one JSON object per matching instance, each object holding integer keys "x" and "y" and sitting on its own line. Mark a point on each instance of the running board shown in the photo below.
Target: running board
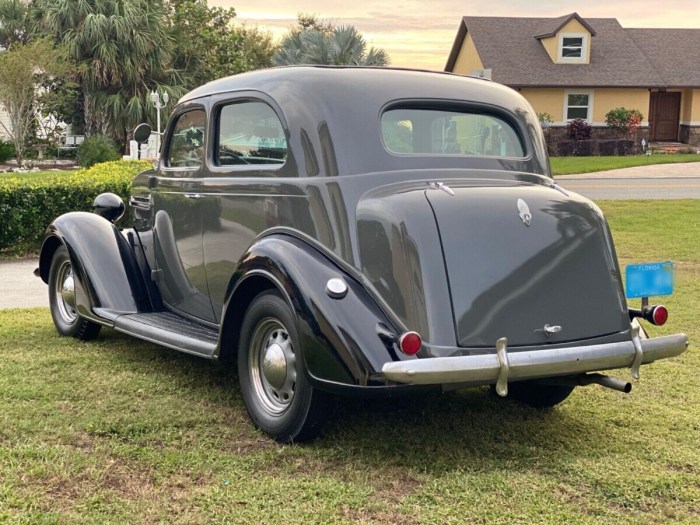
{"x": 170, "y": 330}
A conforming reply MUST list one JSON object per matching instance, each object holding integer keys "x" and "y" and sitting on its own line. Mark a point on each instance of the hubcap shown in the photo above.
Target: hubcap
{"x": 272, "y": 366}
{"x": 65, "y": 292}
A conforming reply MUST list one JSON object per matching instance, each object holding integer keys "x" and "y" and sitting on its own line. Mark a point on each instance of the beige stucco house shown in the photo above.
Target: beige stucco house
{"x": 4, "y": 123}
{"x": 571, "y": 67}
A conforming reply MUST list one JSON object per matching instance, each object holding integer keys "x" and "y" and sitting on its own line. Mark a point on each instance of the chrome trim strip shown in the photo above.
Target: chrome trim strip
{"x": 532, "y": 364}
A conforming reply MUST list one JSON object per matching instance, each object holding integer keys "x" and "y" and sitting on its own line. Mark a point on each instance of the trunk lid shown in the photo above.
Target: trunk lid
{"x": 521, "y": 257}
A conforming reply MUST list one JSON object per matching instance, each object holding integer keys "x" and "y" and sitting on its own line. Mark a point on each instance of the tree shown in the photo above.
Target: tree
{"x": 210, "y": 46}
{"x": 22, "y": 70}
{"x": 123, "y": 50}
{"x": 318, "y": 42}
{"x": 13, "y": 22}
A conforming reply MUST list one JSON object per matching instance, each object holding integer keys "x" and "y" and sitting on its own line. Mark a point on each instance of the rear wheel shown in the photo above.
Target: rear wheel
{"x": 538, "y": 395}
{"x": 62, "y": 299}
{"x": 278, "y": 396}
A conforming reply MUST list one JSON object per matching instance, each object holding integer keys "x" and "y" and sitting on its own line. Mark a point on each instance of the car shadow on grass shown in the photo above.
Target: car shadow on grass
{"x": 433, "y": 432}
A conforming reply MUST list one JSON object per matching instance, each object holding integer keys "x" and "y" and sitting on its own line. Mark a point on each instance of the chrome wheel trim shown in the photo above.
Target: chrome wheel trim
{"x": 64, "y": 293}
{"x": 272, "y": 366}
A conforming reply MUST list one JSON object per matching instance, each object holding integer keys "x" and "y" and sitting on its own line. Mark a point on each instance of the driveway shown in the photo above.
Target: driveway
{"x": 20, "y": 289}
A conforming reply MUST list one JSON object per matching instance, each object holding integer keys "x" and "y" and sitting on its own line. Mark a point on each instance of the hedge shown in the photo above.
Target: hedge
{"x": 28, "y": 205}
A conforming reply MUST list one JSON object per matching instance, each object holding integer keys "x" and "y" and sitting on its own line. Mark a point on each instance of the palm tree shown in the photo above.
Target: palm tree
{"x": 343, "y": 45}
{"x": 122, "y": 49}
{"x": 13, "y": 22}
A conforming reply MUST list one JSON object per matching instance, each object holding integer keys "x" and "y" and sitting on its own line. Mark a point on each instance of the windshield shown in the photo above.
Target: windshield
{"x": 446, "y": 132}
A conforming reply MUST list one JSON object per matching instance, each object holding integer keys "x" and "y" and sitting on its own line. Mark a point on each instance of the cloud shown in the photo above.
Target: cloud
{"x": 420, "y": 33}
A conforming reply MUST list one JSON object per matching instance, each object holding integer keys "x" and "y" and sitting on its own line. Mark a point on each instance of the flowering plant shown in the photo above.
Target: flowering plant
{"x": 624, "y": 120}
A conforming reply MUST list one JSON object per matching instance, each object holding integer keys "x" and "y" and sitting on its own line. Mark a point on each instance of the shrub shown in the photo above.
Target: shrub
{"x": 95, "y": 150}
{"x": 607, "y": 147}
{"x": 7, "y": 151}
{"x": 28, "y": 205}
{"x": 625, "y": 147}
{"x": 624, "y": 120}
{"x": 583, "y": 148}
{"x": 565, "y": 148}
{"x": 546, "y": 122}
{"x": 578, "y": 129}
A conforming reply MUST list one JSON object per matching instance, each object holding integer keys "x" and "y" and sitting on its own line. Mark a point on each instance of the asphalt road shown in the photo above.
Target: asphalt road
{"x": 660, "y": 181}
{"x": 19, "y": 288}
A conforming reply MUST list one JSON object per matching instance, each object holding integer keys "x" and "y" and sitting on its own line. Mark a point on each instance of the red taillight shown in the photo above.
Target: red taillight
{"x": 410, "y": 343}
{"x": 660, "y": 315}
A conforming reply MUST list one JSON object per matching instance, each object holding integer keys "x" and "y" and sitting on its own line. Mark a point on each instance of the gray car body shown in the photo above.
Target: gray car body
{"x": 459, "y": 266}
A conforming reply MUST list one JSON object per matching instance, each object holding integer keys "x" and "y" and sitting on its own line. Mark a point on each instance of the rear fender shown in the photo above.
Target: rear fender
{"x": 339, "y": 338}
{"x": 107, "y": 274}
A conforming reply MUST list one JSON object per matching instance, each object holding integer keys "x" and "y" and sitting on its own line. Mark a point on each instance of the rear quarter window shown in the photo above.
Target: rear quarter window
{"x": 249, "y": 133}
{"x": 413, "y": 131}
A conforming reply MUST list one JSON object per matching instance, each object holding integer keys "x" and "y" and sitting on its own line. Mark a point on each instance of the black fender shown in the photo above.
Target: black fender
{"x": 107, "y": 274}
{"x": 341, "y": 345}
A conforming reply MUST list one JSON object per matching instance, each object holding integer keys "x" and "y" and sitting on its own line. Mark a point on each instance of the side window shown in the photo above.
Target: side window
{"x": 186, "y": 147}
{"x": 249, "y": 133}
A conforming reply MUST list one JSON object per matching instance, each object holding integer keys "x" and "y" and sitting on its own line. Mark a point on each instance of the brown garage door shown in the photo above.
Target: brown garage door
{"x": 664, "y": 115}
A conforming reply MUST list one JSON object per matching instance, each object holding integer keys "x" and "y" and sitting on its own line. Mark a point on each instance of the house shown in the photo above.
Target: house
{"x": 4, "y": 123}
{"x": 571, "y": 67}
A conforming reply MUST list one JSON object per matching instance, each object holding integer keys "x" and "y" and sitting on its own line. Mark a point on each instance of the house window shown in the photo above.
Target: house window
{"x": 573, "y": 47}
{"x": 578, "y": 105}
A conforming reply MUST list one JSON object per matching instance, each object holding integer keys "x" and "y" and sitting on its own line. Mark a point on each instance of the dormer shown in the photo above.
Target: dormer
{"x": 567, "y": 39}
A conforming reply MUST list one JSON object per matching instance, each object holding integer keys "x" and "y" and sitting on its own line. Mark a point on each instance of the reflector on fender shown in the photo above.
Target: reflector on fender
{"x": 659, "y": 315}
{"x": 410, "y": 343}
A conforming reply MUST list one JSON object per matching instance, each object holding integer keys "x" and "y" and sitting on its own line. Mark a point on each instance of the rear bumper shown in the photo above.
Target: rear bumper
{"x": 502, "y": 367}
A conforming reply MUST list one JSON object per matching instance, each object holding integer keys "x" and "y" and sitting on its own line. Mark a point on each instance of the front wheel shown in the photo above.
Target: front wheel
{"x": 278, "y": 396}
{"x": 62, "y": 299}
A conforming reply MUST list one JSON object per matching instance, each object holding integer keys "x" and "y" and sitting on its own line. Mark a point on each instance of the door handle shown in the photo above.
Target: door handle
{"x": 193, "y": 195}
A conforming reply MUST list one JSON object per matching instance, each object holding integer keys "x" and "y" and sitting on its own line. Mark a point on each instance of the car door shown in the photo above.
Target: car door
{"x": 251, "y": 184}
{"x": 176, "y": 193}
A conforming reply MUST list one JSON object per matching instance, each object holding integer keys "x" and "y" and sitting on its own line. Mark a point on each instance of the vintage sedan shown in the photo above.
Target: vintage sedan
{"x": 356, "y": 230}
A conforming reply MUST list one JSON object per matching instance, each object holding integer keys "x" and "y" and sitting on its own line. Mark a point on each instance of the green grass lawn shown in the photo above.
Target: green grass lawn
{"x": 121, "y": 431}
{"x": 569, "y": 165}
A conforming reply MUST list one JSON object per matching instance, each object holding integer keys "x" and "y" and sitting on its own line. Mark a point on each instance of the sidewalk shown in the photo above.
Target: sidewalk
{"x": 654, "y": 171}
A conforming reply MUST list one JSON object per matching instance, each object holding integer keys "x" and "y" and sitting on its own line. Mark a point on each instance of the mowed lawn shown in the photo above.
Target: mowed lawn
{"x": 570, "y": 165}
{"x": 119, "y": 431}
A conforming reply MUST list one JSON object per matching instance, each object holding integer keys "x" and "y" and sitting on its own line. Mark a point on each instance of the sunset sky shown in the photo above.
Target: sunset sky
{"x": 420, "y": 33}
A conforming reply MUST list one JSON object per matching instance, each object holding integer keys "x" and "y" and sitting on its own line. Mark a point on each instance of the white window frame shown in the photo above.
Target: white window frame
{"x": 588, "y": 92}
{"x": 584, "y": 48}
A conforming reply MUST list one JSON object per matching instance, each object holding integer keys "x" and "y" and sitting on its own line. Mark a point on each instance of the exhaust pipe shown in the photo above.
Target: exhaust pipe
{"x": 589, "y": 379}
{"x": 606, "y": 381}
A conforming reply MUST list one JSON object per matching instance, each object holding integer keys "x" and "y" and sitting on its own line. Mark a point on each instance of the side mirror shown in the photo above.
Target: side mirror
{"x": 142, "y": 132}
{"x": 109, "y": 206}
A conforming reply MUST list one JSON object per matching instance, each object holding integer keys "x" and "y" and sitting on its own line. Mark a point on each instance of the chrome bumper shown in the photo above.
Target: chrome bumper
{"x": 502, "y": 367}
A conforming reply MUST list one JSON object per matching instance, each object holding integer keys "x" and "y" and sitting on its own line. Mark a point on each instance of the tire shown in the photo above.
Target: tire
{"x": 62, "y": 300}
{"x": 278, "y": 397}
{"x": 538, "y": 395}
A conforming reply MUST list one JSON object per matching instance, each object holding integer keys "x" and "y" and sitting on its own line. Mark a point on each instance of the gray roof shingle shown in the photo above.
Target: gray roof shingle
{"x": 619, "y": 57}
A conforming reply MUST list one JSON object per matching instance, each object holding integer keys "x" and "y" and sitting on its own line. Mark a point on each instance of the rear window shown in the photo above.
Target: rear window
{"x": 446, "y": 132}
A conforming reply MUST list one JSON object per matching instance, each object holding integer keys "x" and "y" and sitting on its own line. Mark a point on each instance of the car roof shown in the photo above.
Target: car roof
{"x": 385, "y": 83}
{"x": 338, "y": 110}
